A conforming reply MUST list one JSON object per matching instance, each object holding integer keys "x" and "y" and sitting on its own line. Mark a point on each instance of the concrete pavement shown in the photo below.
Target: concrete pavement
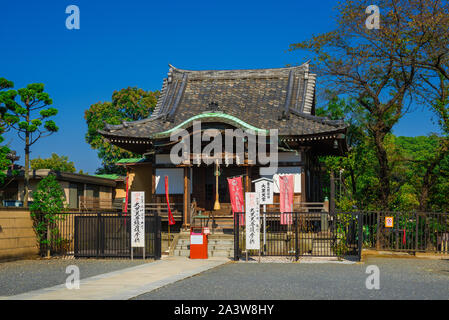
{"x": 127, "y": 283}
{"x": 400, "y": 279}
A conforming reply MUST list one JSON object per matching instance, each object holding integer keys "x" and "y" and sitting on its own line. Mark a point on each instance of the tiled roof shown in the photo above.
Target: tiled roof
{"x": 130, "y": 160}
{"x": 282, "y": 98}
{"x": 110, "y": 176}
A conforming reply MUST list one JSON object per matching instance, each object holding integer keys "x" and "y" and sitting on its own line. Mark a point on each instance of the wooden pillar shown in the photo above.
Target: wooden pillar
{"x": 186, "y": 223}
{"x": 153, "y": 183}
{"x": 304, "y": 180}
{"x": 303, "y": 184}
{"x": 248, "y": 179}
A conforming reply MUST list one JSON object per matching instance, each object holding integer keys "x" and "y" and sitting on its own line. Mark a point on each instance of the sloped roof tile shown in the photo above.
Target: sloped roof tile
{"x": 281, "y": 98}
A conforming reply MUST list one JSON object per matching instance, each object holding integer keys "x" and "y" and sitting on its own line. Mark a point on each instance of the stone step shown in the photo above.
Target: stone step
{"x": 210, "y": 253}
{"x": 223, "y": 240}
{"x": 209, "y": 247}
{"x": 218, "y": 245}
{"x": 220, "y": 253}
{"x": 220, "y": 241}
{"x": 182, "y": 253}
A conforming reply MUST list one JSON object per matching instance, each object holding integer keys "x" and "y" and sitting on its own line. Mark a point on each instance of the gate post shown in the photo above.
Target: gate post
{"x": 98, "y": 233}
{"x": 296, "y": 237}
{"x": 360, "y": 236}
{"x": 76, "y": 238}
{"x": 102, "y": 235}
{"x": 236, "y": 236}
{"x": 416, "y": 233}
{"x": 157, "y": 236}
{"x": 378, "y": 231}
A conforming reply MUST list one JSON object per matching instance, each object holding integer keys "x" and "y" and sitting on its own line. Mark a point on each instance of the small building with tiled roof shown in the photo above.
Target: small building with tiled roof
{"x": 258, "y": 100}
{"x": 82, "y": 191}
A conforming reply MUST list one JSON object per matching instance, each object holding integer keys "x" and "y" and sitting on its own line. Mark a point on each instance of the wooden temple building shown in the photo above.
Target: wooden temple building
{"x": 260, "y": 100}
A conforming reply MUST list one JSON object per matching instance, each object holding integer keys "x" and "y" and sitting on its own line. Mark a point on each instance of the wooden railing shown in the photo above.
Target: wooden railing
{"x": 301, "y": 207}
{"x": 162, "y": 210}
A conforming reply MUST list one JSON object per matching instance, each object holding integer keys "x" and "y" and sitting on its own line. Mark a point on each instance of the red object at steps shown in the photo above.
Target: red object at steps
{"x": 198, "y": 243}
{"x": 125, "y": 209}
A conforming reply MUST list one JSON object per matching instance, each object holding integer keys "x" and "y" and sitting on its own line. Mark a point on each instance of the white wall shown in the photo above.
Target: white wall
{"x": 175, "y": 180}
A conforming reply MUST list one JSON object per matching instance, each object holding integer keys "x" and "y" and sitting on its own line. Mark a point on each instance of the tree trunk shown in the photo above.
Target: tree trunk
{"x": 27, "y": 169}
{"x": 384, "y": 170}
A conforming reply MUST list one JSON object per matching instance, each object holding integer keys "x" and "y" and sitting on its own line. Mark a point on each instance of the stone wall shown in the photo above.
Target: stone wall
{"x": 17, "y": 236}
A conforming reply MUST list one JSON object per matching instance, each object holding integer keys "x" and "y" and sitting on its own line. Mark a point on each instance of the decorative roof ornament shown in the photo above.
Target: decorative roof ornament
{"x": 213, "y": 106}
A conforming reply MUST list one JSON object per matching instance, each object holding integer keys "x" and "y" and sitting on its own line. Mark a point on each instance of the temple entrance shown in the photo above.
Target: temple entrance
{"x": 204, "y": 186}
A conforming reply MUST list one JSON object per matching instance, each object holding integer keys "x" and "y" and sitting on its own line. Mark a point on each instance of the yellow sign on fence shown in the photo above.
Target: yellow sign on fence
{"x": 389, "y": 222}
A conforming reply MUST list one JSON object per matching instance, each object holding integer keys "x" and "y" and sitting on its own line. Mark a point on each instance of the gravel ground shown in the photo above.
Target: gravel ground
{"x": 26, "y": 275}
{"x": 399, "y": 279}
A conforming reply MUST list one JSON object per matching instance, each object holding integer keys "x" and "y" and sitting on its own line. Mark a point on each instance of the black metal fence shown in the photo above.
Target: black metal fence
{"x": 410, "y": 231}
{"x": 107, "y": 234}
{"x": 298, "y": 234}
{"x": 99, "y": 235}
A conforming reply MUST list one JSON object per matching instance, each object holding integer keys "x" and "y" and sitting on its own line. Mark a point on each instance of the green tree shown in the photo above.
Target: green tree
{"x": 4, "y": 150}
{"x": 425, "y": 171}
{"x": 55, "y": 162}
{"x": 30, "y": 127}
{"x": 380, "y": 68}
{"x": 128, "y": 104}
{"x": 438, "y": 98}
{"x": 359, "y": 181}
{"x": 48, "y": 204}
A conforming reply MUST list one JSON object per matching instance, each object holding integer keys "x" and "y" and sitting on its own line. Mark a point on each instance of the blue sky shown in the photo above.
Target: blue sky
{"x": 130, "y": 43}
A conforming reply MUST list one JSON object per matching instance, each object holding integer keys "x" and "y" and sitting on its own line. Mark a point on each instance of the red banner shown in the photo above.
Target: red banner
{"x": 236, "y": 195}
{"x": 286, "y": 189}
{"x": 171, "y": 220}
{"x": 125, "y": 209}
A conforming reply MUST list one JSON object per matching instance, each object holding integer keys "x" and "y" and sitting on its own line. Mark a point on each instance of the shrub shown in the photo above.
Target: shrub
{"x": 48, "y": 204}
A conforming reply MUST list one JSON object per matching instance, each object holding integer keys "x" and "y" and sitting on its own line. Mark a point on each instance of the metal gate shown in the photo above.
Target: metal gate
{"x": 109, "y": 235}
{"x": 318, "y": 234}
{"x": 409, "y": 231}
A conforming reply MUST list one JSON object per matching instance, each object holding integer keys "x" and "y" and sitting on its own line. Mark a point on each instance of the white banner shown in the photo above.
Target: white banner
{"x": 138, "y": 219}
{"x": 252, "y": 214}
{"x": 265, "y": 190}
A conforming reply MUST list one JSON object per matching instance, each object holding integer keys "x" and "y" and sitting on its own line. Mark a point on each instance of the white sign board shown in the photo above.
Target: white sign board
{"x": 265, "y": 190}
{"x": 281, "y": 171}
{"x": 138, "y": 219}
{"x": 196, "y": 239}
{"x": 252, "y": 214}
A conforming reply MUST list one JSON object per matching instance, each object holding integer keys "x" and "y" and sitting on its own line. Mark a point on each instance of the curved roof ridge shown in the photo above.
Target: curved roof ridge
{"x": 125, "y": 124}
{"x": 319, "y": 119}
{"x": 303, "y": 65}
